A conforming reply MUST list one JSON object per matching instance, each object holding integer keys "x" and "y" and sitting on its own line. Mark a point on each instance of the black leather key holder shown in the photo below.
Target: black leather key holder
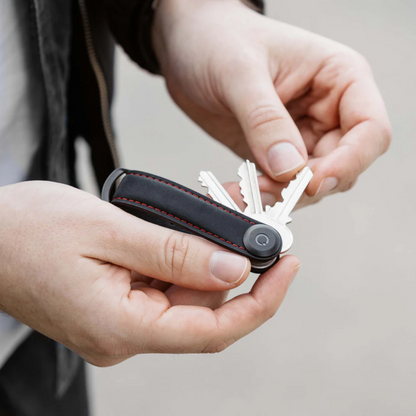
{"x": 171, "y": 205}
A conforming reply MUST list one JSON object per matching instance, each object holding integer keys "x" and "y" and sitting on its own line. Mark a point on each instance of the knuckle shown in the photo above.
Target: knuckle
{"x": 361, "y": 60}
{"x": 349, "y": 65}
{"x": 356, "y": 59}
{"x": 175, "y": 254}
{"x": 263, "y": 115}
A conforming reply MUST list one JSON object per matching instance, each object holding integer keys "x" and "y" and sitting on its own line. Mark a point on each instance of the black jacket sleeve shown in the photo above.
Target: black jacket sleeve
{"x": 131, "y": 24}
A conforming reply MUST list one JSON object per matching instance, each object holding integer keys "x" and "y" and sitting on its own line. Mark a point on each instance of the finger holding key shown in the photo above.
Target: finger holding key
{"x": 271, "y": 134}
{"x": 69, "y": 276}
{"x": 170, "y": 256}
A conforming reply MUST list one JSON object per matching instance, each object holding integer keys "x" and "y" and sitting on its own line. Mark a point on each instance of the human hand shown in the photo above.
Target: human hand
{"x": 272, "y": 92}
{"x": 81, "y": 271}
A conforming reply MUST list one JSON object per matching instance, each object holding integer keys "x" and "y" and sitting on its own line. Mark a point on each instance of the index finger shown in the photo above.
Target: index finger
{"x": 195, "y": 329}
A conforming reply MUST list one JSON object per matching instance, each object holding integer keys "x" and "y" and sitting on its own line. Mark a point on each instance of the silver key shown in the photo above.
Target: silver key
{"x": 249, "y": 187}
{"x": 216, "y": 190}
{"x": 278, "y": 215}
{"x": 291, "y": 195}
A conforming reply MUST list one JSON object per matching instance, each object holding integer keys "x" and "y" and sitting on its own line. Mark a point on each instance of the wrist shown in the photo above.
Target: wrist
{"x": 168, "y": 13}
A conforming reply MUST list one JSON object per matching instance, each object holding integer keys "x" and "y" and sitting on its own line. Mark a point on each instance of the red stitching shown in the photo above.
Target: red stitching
{"x": 170, "y": 215}
{"x": 190, "y": 193}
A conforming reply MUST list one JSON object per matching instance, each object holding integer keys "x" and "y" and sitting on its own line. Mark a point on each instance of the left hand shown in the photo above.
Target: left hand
{"x": 273, "y": 93}
{"x": 178, "y": 295}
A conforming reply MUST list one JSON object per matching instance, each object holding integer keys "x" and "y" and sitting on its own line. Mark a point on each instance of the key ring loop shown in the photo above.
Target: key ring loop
{"x": 109, "y": 186}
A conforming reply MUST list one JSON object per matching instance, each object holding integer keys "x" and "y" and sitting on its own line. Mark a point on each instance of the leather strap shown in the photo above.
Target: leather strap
{"x": 171, "y": 205}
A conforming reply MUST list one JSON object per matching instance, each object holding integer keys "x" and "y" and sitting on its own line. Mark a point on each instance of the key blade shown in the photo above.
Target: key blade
{"x": 291, "y": 195}
{"x": 249, "y": 188}
{"x": 216, "y": 190}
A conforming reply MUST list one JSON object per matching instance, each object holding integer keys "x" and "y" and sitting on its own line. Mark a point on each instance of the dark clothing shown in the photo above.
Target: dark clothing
{"x": 76, "y": 58}
{"x": 78, "y": 76}
{"x": 75, "y": 51}
{"x": 28, "y": 382}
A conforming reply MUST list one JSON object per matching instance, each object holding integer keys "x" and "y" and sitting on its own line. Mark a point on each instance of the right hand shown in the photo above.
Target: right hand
{"x": 273, "y": 93}
{"x": 75, "y": 269}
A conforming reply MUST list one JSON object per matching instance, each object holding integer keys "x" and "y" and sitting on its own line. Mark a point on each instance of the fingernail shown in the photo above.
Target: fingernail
{"x": 267, "y": 199}
{"x": 294, "y": 273}
{"x": 284, "y": 157}
{"x": 327, "y": 184}
{"x": 228, "y": 267}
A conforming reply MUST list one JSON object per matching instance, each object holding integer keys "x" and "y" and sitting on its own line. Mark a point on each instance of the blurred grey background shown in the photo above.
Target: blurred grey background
{"x": 344, "y": 341}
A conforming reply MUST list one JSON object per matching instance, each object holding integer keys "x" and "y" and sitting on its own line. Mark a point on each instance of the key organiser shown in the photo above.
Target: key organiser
{"x": 171, "y": 205}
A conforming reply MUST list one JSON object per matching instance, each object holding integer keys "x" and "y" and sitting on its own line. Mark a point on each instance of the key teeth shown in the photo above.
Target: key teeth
{"x": 204, "y": 185}
{"x": 241, "y": 176}
{"x": 284, "y": 193}
{"x": 245, "y": 199}
{"x": 281, "y": 210}
{"x": 202, "y": 182}
{"x": 249, "y": 188}
{"x": 201, "y": 179}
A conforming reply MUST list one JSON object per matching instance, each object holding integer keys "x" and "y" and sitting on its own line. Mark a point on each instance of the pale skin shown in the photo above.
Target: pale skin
{"x": 254, "y": 83}
{"x": 110, "y": 286}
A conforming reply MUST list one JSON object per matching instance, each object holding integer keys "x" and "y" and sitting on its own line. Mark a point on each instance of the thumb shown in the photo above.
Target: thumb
{"x": 271, "y": 134}
{"x": 171, "y": 256}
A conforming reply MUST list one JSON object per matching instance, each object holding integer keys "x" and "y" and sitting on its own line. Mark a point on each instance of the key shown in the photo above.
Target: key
{"x": 291, "y": 195}
{"x": 249, "y": 187}
{"x": 260, "y": 240}
{"x": 258, "y": 235}
{"x": 166, "y": 203}
{"x": 278, "y": 215}
{"x": 216, "y": 190}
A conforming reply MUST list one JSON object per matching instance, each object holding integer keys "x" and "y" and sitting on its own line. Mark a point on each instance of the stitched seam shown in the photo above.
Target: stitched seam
{"x": 179, "y": 219}
{"x": 195, "y": 195}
